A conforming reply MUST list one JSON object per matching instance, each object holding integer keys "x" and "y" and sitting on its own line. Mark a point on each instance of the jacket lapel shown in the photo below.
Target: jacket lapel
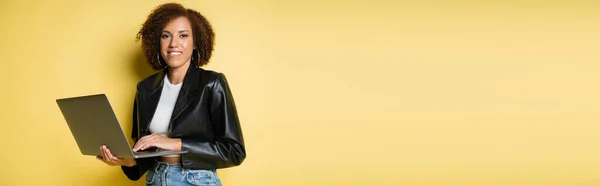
{"x": 184, "y": 99}
{"x": 151, "y": 100}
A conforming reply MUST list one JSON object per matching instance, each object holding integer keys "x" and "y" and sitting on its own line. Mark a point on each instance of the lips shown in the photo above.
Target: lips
{"x": 174, "y": 53}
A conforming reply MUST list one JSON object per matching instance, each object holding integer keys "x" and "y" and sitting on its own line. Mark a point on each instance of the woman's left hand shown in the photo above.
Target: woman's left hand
{"x": 158, "y": 141}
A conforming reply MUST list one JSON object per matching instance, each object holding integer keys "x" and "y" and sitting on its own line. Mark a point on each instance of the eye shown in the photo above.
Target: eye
{"x": 165, "y": 36}
{"x": 183, "y": 35}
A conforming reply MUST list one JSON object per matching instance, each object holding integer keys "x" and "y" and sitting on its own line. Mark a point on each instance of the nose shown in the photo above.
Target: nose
{"x": 174, "y": 42}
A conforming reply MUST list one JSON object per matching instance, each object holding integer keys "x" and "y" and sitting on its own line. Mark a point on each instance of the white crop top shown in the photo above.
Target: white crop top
{"x": 162, "y": 117}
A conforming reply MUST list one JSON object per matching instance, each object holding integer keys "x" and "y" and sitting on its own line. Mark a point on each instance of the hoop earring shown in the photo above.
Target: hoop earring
{"x": 198, "y": 52}
{"x": 158, "y": 59}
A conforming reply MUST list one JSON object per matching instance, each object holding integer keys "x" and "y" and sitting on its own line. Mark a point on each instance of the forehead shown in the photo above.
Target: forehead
{"x": 178, "y": 24}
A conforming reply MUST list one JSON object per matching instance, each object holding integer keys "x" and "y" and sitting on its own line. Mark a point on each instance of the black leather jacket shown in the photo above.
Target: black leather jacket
{"x": 204, "y": 118}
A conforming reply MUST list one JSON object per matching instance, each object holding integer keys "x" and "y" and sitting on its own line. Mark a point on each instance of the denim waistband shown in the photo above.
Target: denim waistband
{"x": 173, "y": 167}
{"x": 165, "y": 163}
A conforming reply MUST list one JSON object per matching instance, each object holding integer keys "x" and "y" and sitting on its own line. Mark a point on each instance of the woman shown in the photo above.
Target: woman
{"x": 182, "y": 107}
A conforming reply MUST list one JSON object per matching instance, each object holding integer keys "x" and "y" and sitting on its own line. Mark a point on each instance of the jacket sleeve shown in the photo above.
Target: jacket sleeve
{"x": 142, "y": 164}
{"x": 227, "y": 149}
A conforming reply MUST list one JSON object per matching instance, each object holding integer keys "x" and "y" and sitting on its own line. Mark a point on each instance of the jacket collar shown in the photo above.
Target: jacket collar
{"x": 190, "y": 81}
{"x": 184, "y": 99}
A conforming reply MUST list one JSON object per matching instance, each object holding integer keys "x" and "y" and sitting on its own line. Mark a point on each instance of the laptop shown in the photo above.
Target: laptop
{"x": 93, "y": 123}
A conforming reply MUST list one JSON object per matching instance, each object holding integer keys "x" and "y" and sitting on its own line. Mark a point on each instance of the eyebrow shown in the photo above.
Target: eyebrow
{"x": 179, "y": 31}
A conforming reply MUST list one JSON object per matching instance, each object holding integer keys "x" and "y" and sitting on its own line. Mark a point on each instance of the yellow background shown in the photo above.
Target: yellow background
{"x": 421, "y": 93}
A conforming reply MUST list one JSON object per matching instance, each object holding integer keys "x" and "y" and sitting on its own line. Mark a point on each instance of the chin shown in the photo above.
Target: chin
{"x": 175, "y": 64}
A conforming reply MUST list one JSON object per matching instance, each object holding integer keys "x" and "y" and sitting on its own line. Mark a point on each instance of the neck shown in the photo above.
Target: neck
{"x": 177, "y": 74}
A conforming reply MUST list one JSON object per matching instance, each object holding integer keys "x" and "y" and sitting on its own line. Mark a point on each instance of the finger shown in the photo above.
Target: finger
{"x": 112, "y": 158}
{"x": 147, "y": 145}
{"x": 101, "y": 153}
{"x": 109, "y": 157}
{"x": 147, "y": 142}
{"x": 137, "y": 145}
{"x": 103, "y": 157}
{"x": 105, "y": 154}
{"x": 157, "y": 141}
{"x": 143, "y": 144}
{"x": 147, "y": 137}
{"x": 140, "y": 143}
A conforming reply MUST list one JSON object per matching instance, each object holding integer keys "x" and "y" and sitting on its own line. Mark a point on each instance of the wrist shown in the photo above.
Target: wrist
{"x": 178, "y": 144}
{"x": 132, "y": 163}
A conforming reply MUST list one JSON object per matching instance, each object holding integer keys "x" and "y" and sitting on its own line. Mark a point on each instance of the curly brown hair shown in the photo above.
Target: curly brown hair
{"x": 157, "y": 20}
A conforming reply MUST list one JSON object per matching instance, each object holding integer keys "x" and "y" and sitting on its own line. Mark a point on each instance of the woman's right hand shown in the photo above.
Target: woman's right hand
{"x": 111, "y": 160}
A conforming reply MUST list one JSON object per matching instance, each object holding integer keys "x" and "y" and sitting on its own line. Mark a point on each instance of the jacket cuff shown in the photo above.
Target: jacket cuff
{"x": 136, "y": 172}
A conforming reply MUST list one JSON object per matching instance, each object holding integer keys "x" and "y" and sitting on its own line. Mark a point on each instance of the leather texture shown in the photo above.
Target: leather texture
{"x": 204, "y": 118}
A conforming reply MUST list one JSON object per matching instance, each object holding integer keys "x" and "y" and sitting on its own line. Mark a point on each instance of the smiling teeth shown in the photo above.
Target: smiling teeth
{"x": 175, "y": 53}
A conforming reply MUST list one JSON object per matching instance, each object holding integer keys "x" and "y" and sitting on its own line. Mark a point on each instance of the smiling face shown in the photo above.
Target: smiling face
{"x": 177, "y": 43}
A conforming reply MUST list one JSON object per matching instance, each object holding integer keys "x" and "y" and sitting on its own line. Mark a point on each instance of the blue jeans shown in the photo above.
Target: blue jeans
{"x": 164, "y": 174}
